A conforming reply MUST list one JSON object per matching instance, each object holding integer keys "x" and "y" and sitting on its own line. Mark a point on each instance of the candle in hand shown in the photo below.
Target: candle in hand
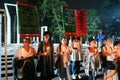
{"x": 63, "y": 49}
{"x": 48, "y": 49}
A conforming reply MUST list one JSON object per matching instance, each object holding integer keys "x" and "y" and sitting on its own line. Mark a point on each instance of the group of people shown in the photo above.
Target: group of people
{"x": 69, "y": 59}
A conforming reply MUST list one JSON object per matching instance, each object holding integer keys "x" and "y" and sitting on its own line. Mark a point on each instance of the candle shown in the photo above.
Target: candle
{"x": 63, "y": 49}
{"x": 48, "y": 49}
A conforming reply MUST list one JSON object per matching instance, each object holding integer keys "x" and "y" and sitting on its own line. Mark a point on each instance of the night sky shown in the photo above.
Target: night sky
{"x": 78, "y": 4}
{"x": 85, "y": 4}
{"x": 110, "y": 15}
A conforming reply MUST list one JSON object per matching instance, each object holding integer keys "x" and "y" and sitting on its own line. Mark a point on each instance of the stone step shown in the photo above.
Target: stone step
{"x": 9, "y": 56}
{"x": 8, "y": 62}
{"x": 9, "y": 74}
{"x": 9, "y": 78}
{"x": 9, "y": 67}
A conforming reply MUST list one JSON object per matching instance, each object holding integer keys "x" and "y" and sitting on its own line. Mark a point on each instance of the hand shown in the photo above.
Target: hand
{"x": 62, "y": 53}
{"x": 45, "y": 53}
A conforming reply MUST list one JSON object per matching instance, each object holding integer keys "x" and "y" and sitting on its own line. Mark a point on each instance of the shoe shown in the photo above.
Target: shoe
{"x": 73, "y": 76}
{"x": 79, "y": 76}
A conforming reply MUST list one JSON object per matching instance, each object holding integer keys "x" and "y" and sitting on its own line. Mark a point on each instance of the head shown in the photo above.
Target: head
{"x": 26, "y": 41}
{"x": 109, "y": 42}
{"x": 46, "y": 36}
{"x": 64, "y": 41}
{"x": 100, "y": 31}
{"x": 76, "y": 38}
{"x": 92, "y": 42}
{"x": 116, "y": 45}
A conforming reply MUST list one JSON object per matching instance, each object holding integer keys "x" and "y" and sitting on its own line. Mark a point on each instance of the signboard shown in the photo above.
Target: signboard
{"x": 75, "y": 21}
{"x": 81, "y": 22}
{"x": 69, "y": 19}
{"x": 28, "y": 18}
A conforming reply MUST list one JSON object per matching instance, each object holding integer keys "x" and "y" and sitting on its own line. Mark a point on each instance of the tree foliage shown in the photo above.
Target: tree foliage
{"x": 57, "y": 8}
{"x": 111, "y": 2}
{"x": 93, "y": 21}
{"x": 51, "y": 10}
{"x": 50, "y": 13}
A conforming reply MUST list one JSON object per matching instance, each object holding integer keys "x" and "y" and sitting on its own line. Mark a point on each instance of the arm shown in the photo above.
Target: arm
{"x": 34, "y": 51}
{"x": 58, "y": 50}
{"x": 96, "y": 52}
{"x": 52, "y": 52}
{"x": 104, "y": 51}
{"x": 18, "y": 54}
{"x": 40, "y": 51}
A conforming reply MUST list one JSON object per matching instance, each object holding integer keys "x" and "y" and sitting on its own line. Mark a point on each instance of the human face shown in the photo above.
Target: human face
{"x": 76, "y": 40}
{"x": 26, "y": 42}
{"x": 46, "y": 38}
{"x": 117, "y": 50}
{"x": 109, "y": 42}
{"x": 93, "y": 43}
{"x": 64, "y": 41}
{"x": 117, "y": 46}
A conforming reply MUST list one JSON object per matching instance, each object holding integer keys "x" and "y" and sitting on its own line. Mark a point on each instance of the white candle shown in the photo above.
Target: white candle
{"x": 48, "y": 49}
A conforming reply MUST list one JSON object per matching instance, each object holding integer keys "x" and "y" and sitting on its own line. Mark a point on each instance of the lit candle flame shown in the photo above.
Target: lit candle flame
{"x": 48, "y": 49}
{"x": 63, "y": 49}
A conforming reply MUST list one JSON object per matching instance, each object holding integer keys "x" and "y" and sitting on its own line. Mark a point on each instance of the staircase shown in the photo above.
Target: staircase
{"x": 9, "y": 67}
{"x": 10, "y": 54}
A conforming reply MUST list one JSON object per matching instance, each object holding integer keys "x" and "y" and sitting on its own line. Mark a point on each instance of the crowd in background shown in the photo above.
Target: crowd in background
{"x": 101, "y": 55}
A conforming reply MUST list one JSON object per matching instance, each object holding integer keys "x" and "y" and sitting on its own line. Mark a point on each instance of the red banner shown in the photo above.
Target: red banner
{"x": 29, "y": 35}
{"x": 26, "y": 4}
{"x": 70, "y": 34}
{"x": 81, "y": 23}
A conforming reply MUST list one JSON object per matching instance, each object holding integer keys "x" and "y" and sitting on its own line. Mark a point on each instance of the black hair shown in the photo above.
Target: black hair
{"x": 46, "y": 33}
{"x": 75, "y": 37}
{"x": 116, "y": 43}
{"x": 91, "y": 39}
{"x": 64, "y": 37}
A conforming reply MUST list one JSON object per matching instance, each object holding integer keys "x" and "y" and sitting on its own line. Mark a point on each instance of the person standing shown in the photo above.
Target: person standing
{"x": 76, "y": 57}
{"x": 63, "y": 53}
{"x": 100, "y": 38}
{"x": 91, "y": 60}
{"x": 117, "y": 50}
{"x": 24, "y": 61}
{"x": 109, "y": 51}
{"x": 46, "y": 57}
